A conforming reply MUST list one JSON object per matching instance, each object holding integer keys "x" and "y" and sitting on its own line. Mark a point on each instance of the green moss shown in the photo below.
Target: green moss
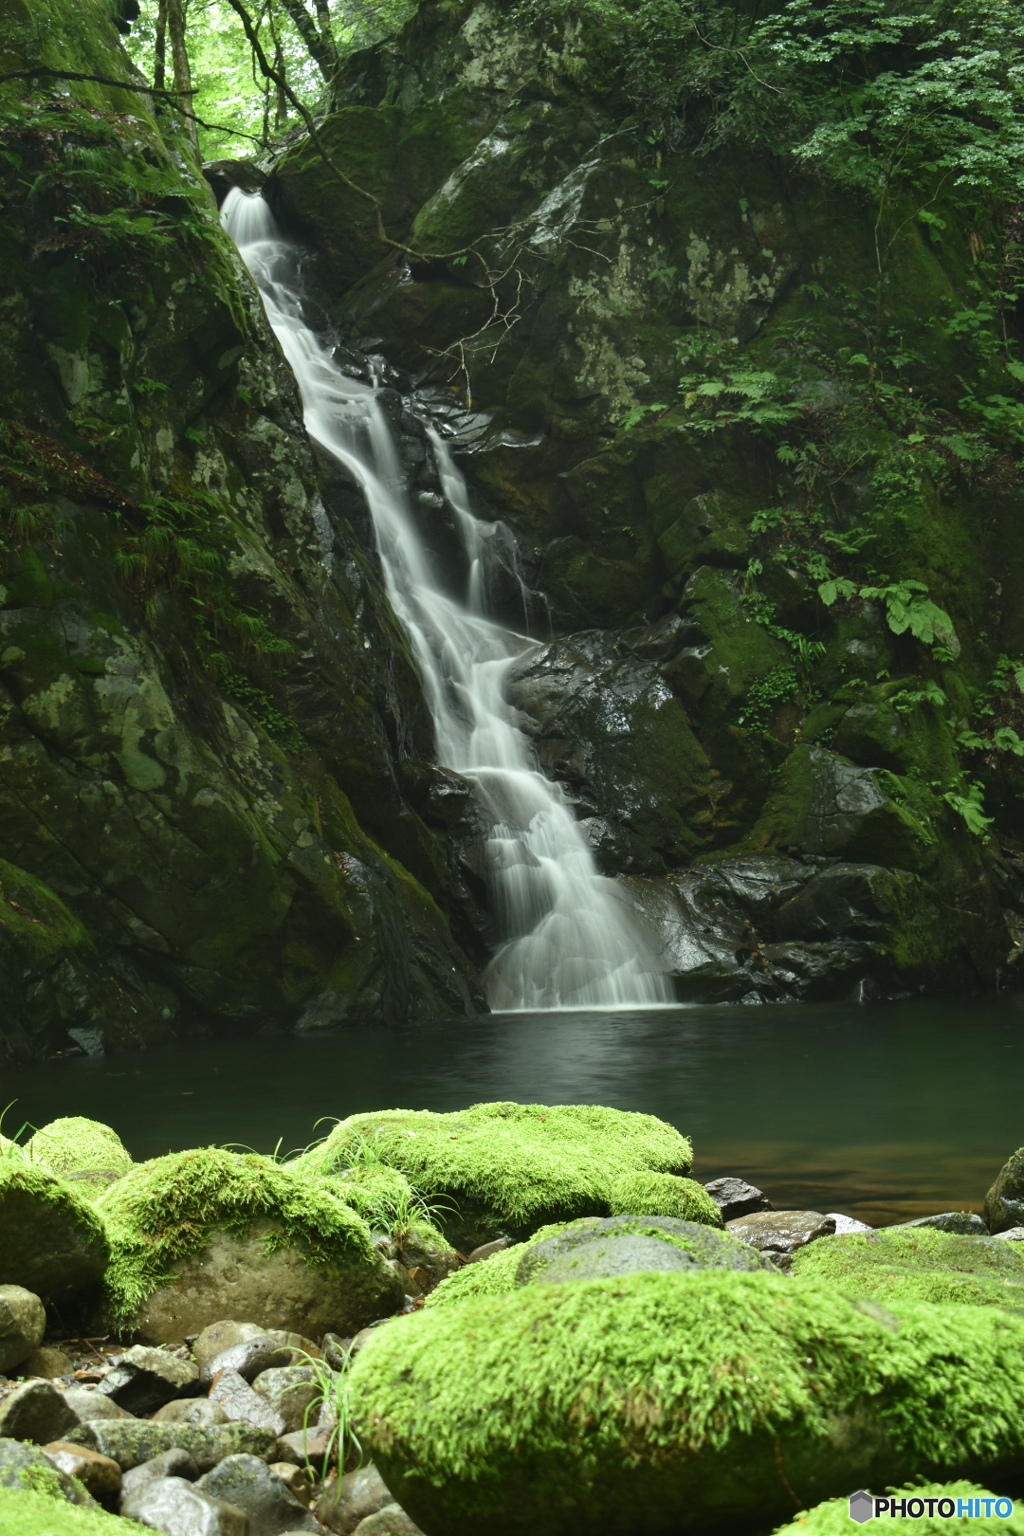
{"x": 84, "y": 1151}
{"x": 51, "y": 1241}
{"x": 34, "y": 1513}
{"x": 35, "y": 920}
{"x": 166, "y": 1209}
{"x": 833, "y": 1517}
{"x": 917, "y": 1264}
{"x": 508, "y": 1166}
{"x": 663, "y": 1194}
{"x": 676, "y": 1398}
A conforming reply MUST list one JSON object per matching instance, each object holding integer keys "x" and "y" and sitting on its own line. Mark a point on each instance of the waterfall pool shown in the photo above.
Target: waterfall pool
{"x": 885, "y": 1113}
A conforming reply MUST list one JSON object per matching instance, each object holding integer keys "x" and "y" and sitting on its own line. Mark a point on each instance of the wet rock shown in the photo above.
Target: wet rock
{"x": 88, "y": 1405}
{"x": 336, "y": 1350}
{"x": 311, "y": 1444}
{"x": 36, "y": 1411}
{"x": 176, "y": 1508}
{"x": 248, "y": 1483}
{"x": 26, "y": 1466}
{"x": 607, "y": 1248}
{"x": 485, "y": 1250}
{"x": 779, "y": 1234}
{"x": 960, "y": 1223}
{"x": 22, "y": 1325}
{"x": 392, "y": 1520}
{"x": 249, "y": 1358}
{"x": 144, "y": 1379}
{"x": 846, "y": 1224}
{"x": 347, "y": 1500}
{"x": 217, "y": 1338}
{"x": 100, "y": 1475}
{"x": 191, "y": 1410}
{"x": 234, "y": 1396}
{"x": 51, "y": 1242}
{"x": 172, "y": 1463}
{"x": 291, "y": 1391}
{"x": 735, "y": 1197}
{"x": 130, "y": 1443}
{"x": 296, "y": 1479}
{"x": 49, "y": 1363}
{"x": 1004, "y": 1203}
{"x": 1011, "y": 1235}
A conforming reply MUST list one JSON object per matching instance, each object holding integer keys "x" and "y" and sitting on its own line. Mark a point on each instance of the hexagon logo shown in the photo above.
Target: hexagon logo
{"x": 862, "y": 1506}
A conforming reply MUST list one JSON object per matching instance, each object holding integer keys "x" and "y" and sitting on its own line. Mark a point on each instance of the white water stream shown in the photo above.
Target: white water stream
{"x": 570, "y": 937}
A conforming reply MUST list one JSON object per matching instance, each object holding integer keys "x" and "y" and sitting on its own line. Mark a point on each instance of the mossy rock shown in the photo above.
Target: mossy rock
{"x": 52, "y": 1241}
{"x": 1004, "y": 1203}
{"x": 23, "y": 1513}
{"x": 892, "y": 726}
{"x": 207, "y": 1234}
{"x": 83, "y": 1152}
{"x": 662, "y": 1402}
{"x": 507, "y": 1168}
{"x": 26, "y": 1469}
{"x": 917, "y": 1264}
{"x": 663, "y": 1194}
{"x": 833, "y": 1517}
{"x": 386, "y": 1201}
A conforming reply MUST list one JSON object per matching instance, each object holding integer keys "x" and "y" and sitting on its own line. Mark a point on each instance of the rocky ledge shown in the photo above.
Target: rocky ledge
{"x": 514, "y": 1319}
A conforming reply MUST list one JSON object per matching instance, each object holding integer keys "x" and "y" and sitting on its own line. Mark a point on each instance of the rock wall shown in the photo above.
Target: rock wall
{"x": 789, "y": 784}
{"x": 215, "y": 758}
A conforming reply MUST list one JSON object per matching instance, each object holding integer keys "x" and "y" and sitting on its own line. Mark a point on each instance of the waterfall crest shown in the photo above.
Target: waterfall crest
{"x": 570, "y": 937}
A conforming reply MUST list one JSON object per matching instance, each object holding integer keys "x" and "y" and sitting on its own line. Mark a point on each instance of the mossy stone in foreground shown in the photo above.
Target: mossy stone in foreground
{"x": 208, "y": 1234}
{"x": 508, "y": 1167}
{"x": 668, "y": 1403}
{"x": 36, "y": 1514}
{"x": 51, "y": 1241}
{"x": 84, "y": 1152}
{"x": 833, "y": 1517}
{"x": 917, "y": 1264}
{"x": 597, "y": 1248}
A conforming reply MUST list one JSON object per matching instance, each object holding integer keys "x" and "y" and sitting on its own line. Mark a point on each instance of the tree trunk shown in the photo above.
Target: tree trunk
{"x": 179, "y": 59}
{"x": 160, "y": 48}
{"x": 321, "y": 45}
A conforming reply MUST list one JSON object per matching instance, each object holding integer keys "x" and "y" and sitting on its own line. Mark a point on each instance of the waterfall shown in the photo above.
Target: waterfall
{"x": 570, "y": 937}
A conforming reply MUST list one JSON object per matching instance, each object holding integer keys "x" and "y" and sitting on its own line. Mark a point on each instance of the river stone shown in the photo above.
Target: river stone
{"x": 217, "y": 1338}
{"x": 1011, "y": 1235}
{"x": 49, "y": 1363}
{"x": 735, "y": 1197}
{"x": 392, "y": 1520}
{"x": 959, "y": 1223}
{"x": 249, "y": 1358}
{"x": 233, "y": 1394}
{"x": 248, "y": 1483}
{"x": 26, "y": 1466}
{"x": 51, "y": 1242}
{"x": 308, "y": 1445}
{"x": 291, "y": 1391}
{"x": 100, "y": 1475}
{"x": 190, "y": 1410}
{"x": 175, "y": 1507}
{"x": 1004, "y": 1203}
{"x": 173, "y": 1463}
{"x": 36, "y": 1411}
{"x": 347, "y": 1500}
{"x": 22, "y": 1325}
{"x": 778, "y": 1234}
{"x": 235, "y": 1273}
{"x": 846, "y": 1224}
{"x": 607, "y": 1247}
{"x": 144, "y": 1379}
{"x": 130, "y": 1443}
{"x": 88, "y": 1405}
{"x": 697, "y": 1388}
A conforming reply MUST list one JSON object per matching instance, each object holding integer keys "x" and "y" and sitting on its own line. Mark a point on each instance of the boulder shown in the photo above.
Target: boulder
{"x": 1004, "y": 1203}
{"x": 206, "y": 1235}
{"x": 85, "y": 1153}
{"x": 26, "y": 1466}
{"x": 595, "y": 1249}
{"x": 917, "y": 1263}
{"x": 663, "y": 1194}
{"x": 24, "y": 1513}
{"x": 699, "y": 1389}
{"x": 248, "y": 1483}
{"x": 778, "y": 1234}
{"x": 507, "y": 1169}
{"x": 51, "y": 1241}
{"x": 36, "y": 1411}
{"x": 735, "y": 1197}
{"x": 175, "y": 1507}
{"x": 131, "y": 1442}
{"x": 22, "y": 1325}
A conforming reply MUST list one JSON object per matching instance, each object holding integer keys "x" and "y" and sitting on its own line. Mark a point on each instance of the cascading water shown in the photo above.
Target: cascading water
{"x": 571, "y": 938}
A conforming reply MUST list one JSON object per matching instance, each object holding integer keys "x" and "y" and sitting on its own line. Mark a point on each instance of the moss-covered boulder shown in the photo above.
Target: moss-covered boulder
{"x": 663, "y": 1194}
{"x": 933, "y": 1519}
{"x": 85, "y": 1153}
{"x": 24, "y": 1513}
{"x": 661, "y": 1402}
{"x": 1004, "y": 1202}
{"x": 916, "y": 1264}
{"x": 52, "y": 1242}
{"x": 387, "y": 1202}
{"x": 203, "y": 1235}
{"x": 507, "y": 1168}
{"x": 25, "y": 1468}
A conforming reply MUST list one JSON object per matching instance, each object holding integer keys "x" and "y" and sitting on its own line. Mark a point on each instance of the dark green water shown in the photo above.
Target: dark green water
{"x": 882, "y": 1112}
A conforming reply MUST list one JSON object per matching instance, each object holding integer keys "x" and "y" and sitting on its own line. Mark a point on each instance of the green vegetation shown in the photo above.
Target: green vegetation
{"x": 917, "y": 1265}
{"x": 85, "y": 1150}
{"x": 38, "y": 1513}
{"x": 166, "y": 1209}
{"x": 833, "y": 1518}
{"x": 663, "y": 1194}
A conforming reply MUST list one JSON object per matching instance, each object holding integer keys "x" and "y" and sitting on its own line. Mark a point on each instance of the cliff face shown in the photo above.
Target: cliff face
{"x": 214, "y": 750}
{"x": 727, "y": 423}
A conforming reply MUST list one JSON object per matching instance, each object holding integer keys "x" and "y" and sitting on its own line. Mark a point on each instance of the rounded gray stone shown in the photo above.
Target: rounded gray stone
{"x": 599, "y": 1248}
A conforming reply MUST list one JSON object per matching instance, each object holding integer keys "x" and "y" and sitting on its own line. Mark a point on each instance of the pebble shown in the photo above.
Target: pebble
{"x": 190, "y": 1410}
{"x": 306, "y": 1445}
{"x": 486, "y": 1250}
{"x": 48, "y": 1363}
{"x": 248, "y": 1359}
{"x": 296, "y": 1479}
{"x": 291, "y": 1391}
{"x": 88, "y": 1405}
{"x": 392, "y": 1520}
